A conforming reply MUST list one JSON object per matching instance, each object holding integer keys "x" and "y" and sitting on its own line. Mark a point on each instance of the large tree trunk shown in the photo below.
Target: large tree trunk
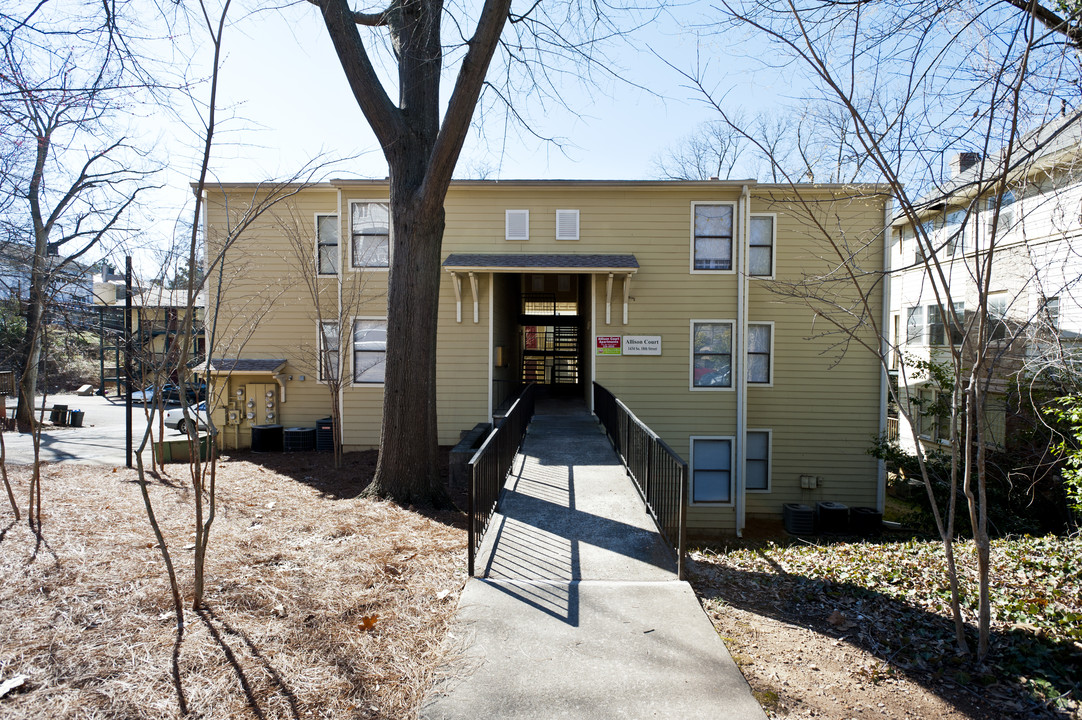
{"x": 408, "y": 466}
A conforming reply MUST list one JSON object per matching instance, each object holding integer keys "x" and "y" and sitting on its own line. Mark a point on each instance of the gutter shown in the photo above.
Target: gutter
{"x": 884, "y": 344}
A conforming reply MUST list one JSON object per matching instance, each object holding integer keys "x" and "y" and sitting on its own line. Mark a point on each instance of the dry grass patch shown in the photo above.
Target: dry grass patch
{"x": 320, "y": 603}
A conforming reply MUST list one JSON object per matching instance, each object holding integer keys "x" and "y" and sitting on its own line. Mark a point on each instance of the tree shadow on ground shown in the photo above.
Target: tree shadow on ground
{"x": 218, "y": 629}
{"x": 317, "y": 471}
{"x": 912, "y": 641}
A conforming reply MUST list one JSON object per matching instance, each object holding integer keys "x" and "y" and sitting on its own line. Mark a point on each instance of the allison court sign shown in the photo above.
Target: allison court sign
{"x": 629, "y": 345}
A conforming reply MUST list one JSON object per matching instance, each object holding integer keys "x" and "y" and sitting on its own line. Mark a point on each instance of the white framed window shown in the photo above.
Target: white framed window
{"x": 369, "y": 350}
{"x": 327, "y": 244}
{"x": 712, "y": 228}
{"x": 998, "y": 305}
{"x": 757, "y": 461}
{"x": 1006, "y": 212}
{"x": 711, "y": 470}
{"x": 1050, "y": 311}
{"x": 370, "y": 230}
{"x": 329, "y": 351}
{"x": 517, "y": 225}
{"x": 936, "y": 326}
{"x": 567, "y": 224}
{"x": 761, "y": 353}
{"x": 711, "y": 354}
{"x": 761, "y": 245}
{"x": 914, "y": 325}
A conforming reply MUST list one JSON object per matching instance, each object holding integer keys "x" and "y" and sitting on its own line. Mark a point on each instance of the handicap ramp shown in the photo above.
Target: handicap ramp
{"x": 578, "y": 612}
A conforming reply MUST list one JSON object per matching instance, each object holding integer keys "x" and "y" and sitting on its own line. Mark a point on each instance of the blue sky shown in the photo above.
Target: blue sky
{"x": 281, "y": 75}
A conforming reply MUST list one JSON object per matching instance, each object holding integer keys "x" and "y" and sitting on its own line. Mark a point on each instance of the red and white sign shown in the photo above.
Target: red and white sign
{"x": 608, "y": 344}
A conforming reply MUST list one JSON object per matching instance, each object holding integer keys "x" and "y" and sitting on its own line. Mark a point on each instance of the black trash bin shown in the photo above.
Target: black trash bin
{"x": 76, "y": 418}
{"x": 59, "y": 415}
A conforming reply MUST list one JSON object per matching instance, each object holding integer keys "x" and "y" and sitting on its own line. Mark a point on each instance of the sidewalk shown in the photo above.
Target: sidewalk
{"x": 579, "y": 613}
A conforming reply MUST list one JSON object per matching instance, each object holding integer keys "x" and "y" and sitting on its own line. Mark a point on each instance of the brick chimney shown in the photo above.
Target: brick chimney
{"x": 962, "y": 162}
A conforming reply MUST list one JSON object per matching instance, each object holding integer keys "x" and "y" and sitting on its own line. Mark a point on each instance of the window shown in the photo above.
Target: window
{"x": 567, "y": 224}
{"x": 759, "y": 350}
{"x": 369, "y": 350}
{"x": 998, "y": 304}
{"x": 895, "y": 341}
{"x": 712, "y": 354}
{"x": 757, "y": 461}
{"x": 327, "y": 244}
{"x": 713, "y": 237}
{"x": 956, "y": 230}
{"x": 914, "y": 326}
{"x": 1006, "y": 212}
{"x": 328, "y": 352}
{"x": 761, "y": 246}
{"x": 937, "y": 331}
{"x": 1051, "y": 312}
{"x": 711, "y": 470}
{"x": 371, "y": 235}
{"x": 517, "y": 225}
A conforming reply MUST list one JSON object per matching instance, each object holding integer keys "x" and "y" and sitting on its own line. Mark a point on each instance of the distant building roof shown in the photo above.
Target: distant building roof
{"x": 159, "y": 297}
{"x": 224, "y": 366}
{"x": 539, "y": 262}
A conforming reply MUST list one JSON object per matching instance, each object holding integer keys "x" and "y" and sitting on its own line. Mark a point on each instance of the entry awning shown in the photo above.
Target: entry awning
{"x": 540, "y": 263}
{"x": 472, "y": 263}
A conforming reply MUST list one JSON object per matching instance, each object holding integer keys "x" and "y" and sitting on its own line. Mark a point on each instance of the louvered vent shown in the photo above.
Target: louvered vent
{"x": 518, "y": 224}
{"x": 567, "y": 224}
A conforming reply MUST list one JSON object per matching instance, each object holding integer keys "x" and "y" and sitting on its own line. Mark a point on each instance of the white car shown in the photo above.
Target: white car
{"x": 197, "y": 417}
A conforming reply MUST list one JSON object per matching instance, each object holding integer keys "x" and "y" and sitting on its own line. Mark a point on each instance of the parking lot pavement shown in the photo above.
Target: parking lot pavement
{"x": 100, "y": 441}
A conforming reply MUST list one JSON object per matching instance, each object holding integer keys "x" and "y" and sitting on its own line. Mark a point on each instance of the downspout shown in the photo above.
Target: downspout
{"x": 341, "y": 334}
{"x": 881, "y": 465}
{"x": 491, "y": 342}
{"x": 739, "y": 358}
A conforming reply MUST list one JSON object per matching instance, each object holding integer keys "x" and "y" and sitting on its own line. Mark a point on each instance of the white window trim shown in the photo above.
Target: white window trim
{"x": 390, "y": 239}
{"x": 770, "y": 381}
{"x": 575, "y": 214}
{"x": 319, "y": 347}
{"x": 773, "y": 246}
{"x": 507, "y": 225}
{"x": 353, "y": 382}
{"x": 736, "y": 234}
{"x": 691, "y": 357}
{"x": 732, "y": 473}
{"x": 338, "y": 258}
{"x": 769, "y": 461}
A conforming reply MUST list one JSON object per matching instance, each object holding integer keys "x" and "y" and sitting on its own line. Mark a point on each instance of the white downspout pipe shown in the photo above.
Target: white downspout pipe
{"x": 885, "y": 340}
{"x": 342, "y": 335}
{"x": 739, "y": 357}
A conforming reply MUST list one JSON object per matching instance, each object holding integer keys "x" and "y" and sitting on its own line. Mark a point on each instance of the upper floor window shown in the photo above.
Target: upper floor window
{"x": 567, "y": 224}
{"x": 327, "y": 244}
{"x": 712, "y": 239}
{"x": 517, "y": 225}
{"x": 370, "y": 226}
{"x": 712, "y": 354}
{"x": 761, "y": 246}
{"x": 1051, "y": 312}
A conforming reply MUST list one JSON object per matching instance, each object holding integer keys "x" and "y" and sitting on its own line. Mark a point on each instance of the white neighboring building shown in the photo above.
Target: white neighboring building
{"x": 1033, "y": 296}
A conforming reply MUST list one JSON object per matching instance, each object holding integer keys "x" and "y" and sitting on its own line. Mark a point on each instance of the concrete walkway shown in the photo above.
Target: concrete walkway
{"x": 579, "y": 613}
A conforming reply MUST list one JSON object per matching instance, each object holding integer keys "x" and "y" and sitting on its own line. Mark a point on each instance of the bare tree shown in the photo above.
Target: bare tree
{"x": 971, "y": 78}
{"x": 422, "y": 149}
{"x": 74, "y": 180}
{"x": 334, "y": 301}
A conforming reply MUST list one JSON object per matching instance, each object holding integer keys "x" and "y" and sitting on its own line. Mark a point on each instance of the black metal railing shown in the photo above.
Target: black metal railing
{"x": 659, "y": 473}
{"x": 490, "y": 465}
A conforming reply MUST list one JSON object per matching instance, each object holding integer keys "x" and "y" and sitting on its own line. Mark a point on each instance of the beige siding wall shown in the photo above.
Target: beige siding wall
{"x": 822, "y": 409}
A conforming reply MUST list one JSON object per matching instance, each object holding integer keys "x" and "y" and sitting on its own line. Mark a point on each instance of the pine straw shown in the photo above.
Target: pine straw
{"x": 298, "y": 565}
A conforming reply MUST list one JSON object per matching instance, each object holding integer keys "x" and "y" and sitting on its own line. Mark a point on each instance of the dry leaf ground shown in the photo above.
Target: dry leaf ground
{"x": 862, "y": 629}
{"x": 321, "y": 604}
